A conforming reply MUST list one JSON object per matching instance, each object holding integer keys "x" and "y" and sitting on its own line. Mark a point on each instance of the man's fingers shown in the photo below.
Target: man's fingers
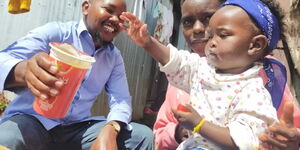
{"x": 36, "y": 92}
{"x": 40, "y": 76}
{"x": 36, "y": 84}
{"x": 43, "y": 69}
{"x": 43, "y": 62}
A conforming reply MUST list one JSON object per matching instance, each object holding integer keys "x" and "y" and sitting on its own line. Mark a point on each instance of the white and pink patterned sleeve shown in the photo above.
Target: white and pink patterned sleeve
{"x": 180, "y": 68}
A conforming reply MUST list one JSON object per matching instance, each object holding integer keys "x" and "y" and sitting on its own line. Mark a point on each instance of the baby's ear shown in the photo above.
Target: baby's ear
{"x": 258, "y": 45}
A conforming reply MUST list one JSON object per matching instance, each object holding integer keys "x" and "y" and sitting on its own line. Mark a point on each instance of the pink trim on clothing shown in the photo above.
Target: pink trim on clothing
{"x": 165, "y": 124}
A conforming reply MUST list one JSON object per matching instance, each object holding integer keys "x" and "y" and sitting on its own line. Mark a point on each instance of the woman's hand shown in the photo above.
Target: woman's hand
{"x": 286, "y": 136}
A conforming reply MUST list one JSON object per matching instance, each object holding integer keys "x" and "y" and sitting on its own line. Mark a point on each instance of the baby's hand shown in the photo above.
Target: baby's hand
{"x": 187, "y": 119}
{"x": 135, "y": 29}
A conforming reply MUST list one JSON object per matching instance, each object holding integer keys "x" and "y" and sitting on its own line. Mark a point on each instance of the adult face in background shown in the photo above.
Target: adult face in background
{"x": 195, "y": 18}
{"x": 102, "y": 20}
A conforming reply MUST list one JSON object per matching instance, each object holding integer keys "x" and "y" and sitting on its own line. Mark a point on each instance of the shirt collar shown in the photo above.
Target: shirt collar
{"x": 81, "y": 27}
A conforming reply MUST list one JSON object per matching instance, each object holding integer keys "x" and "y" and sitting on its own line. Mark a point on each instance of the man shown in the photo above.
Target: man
{"x": 25, "y": 67}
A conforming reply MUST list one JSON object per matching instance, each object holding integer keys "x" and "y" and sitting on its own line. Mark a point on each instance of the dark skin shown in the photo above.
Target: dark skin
{"x": 225, "y": 31}
{"x": 286, "y": 137}
{"x": 195, "y": 18}
{"x": 102, "y": 19}
{"x": 40, "y": 75}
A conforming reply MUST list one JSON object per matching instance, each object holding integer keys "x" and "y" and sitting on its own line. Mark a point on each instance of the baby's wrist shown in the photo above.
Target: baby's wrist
{"x": 198, "y": 126}
{"x": 149, "y": 43}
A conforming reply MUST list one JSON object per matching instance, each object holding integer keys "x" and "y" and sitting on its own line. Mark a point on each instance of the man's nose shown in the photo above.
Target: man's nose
{"x": 115, "y": 18}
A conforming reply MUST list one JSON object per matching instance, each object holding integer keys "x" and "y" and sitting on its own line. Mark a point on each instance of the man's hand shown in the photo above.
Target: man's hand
{"x": 106, "y": 140}
{"x": 286, "y": 136}
{"x": 40, "y": 76}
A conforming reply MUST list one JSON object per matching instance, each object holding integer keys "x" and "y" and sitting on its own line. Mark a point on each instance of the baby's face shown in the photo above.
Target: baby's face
{"x": 195, "y": 18}
{"x": 230, "y": 35}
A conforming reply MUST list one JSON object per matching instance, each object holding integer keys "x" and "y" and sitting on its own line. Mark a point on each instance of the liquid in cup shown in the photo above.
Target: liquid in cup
{"x": 73, "y": 66}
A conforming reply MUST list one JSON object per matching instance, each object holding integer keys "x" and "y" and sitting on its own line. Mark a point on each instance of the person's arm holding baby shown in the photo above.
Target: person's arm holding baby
{"x": 286, "y": 135}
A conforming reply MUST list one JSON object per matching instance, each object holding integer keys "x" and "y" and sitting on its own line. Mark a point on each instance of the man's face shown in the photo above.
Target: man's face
{"x": 195, "y": 18}
{"x": 102, "y": 18}
{"x": 231, "y": 32}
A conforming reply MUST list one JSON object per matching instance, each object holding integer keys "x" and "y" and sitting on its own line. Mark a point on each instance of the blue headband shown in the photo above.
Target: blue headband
{"x": 262, "y": 15}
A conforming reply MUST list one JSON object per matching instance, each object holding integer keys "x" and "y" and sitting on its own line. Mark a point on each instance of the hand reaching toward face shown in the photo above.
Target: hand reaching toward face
{"x": 136, "y": 30}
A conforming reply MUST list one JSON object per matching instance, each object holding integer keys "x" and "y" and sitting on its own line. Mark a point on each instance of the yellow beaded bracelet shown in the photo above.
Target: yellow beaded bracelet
{"x": 198, "y": 126}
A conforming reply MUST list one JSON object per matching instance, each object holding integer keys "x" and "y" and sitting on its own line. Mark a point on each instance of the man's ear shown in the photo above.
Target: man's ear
{"x": 85, "y": 6}
{"x": 258, "y": 45}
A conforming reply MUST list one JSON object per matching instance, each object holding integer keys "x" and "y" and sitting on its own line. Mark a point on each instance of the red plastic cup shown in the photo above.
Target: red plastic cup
{"x": 73, "y": 65}
{"x": 180, "y": 107}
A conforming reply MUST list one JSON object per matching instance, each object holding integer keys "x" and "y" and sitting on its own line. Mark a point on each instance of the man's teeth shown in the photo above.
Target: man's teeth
{"x": 109, "y": 28}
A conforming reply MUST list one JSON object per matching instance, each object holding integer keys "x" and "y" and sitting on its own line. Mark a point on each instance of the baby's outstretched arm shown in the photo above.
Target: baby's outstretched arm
{"x": 138, "y": 33}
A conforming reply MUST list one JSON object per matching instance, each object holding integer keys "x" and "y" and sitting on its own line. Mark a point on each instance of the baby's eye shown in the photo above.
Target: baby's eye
{"x": 223, "y": 35}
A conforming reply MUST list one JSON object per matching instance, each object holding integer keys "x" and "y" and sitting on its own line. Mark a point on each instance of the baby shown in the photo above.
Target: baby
{"x": 229, "y": 104}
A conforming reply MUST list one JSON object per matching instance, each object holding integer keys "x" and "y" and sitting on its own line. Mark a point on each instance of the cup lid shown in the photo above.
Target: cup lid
{"x": 65, "y": 52}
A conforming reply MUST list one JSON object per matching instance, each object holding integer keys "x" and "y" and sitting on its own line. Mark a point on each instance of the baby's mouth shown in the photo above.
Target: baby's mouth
{"x": 211, "y": 54}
